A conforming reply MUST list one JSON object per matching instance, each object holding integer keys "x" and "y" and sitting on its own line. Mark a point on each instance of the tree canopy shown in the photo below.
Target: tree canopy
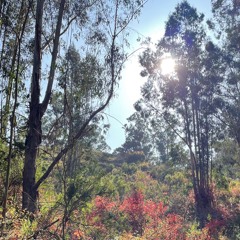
{"x": 176, "y": 176}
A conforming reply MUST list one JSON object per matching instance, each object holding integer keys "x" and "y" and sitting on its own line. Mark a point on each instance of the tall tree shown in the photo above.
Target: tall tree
{"x": 81, "y": 84}
{"x": 186, "y": 99}
{"x": 137, "y": 135}
{"x": 109, "y": 20}
{"x": 12, "y": 33}
{"x": 154, "y": 138}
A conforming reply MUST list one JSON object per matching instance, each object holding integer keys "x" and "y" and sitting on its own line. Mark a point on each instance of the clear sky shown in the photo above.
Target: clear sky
{"x": 150, "y": 23}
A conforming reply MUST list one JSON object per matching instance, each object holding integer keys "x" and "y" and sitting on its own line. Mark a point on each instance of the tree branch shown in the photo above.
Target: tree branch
{"x": 81, "y": 131}
{"x": 54, "y": 58}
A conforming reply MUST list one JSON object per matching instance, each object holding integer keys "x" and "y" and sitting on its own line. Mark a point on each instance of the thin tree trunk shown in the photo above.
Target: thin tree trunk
{"x": 204, "y": 198}
{"x": 6, "y": 112}
{"x": 19, "y": 39}
{"x": 12, "y": 127}
{"x": 192, "y": 156}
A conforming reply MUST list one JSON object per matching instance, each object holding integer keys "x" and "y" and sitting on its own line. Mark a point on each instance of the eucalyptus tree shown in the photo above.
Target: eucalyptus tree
{"x": 143, "y": 133}
{"x": 225, "y": 24}
{"x": 186, "y": 98}
{"x": 81, "y": 82}
{"x": 14, "y": 16}
{"x": 137, "y": 135}
{"x": 101, "y": 28}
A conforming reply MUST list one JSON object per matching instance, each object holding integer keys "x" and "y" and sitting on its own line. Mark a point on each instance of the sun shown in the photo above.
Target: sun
{"x": 167, "y": 65}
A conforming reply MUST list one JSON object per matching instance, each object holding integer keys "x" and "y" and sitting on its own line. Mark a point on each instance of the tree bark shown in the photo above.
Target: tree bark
{"x": 33, "y": 138}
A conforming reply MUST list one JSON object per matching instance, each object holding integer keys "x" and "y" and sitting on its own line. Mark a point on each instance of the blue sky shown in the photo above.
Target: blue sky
{"x": 150, "y": 23}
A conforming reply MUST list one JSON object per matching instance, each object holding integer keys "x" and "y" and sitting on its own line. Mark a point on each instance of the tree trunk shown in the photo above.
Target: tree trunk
{"x": 200, "y": 177}
{"x": 203, "y": 200}
{"x": 33, "y": 138}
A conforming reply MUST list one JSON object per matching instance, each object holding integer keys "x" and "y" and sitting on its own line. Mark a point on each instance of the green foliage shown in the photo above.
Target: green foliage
{"x": 3, "y": 162}
{"x": 116, "y": 181}
{"x": 19, "y": 224}
{"x": 227, "y": 159}
{"x": 129, "y": 168}
{"x": 188, "y": 99}
{"x": 134, "y": 157}
{"x": 185, "y": 129}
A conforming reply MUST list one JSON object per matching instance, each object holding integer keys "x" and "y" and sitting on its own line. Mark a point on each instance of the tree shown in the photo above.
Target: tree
{"x": 225, "y": 24}
{"x": 12, "y": 36}
{"x": 35, "y": 34}
{"x": 81, "y": 83}
{"x": 186, "y": 99}
{"x": 14, "y": 25}
{"x": 154, "y": 138}
{"x": 137, "y": 135}
{"x": 111, "y": 55}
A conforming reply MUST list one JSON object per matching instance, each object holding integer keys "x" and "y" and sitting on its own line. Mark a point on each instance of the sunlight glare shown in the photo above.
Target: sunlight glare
{"x": 167, "y": 66}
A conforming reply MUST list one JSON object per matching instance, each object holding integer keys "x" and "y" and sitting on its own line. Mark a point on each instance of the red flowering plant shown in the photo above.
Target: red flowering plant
{"x": 133, "y": 206}
{"x": 149, "y": 219}
{"x": 154, "y": 212}
{"x": 135, "y": 215}
{"x": 105, "y": 219}
{"x": 100, "y": 212}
